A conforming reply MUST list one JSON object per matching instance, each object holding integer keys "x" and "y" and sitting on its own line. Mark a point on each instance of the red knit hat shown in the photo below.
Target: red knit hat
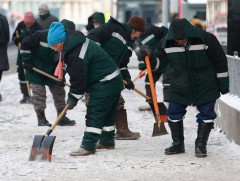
{"x": 28, "y": 19}
{"x": 137, "y": 23}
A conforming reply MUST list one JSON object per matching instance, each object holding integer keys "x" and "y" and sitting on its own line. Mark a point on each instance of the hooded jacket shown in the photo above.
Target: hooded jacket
{"x": 115, "y": 39}
{"x": 90, "y": 68}
{"x": 97, "y": 16}
{"x": 36, "y": 49}
{"x": 199, "y": 68}
{"x": 150, "y": 38}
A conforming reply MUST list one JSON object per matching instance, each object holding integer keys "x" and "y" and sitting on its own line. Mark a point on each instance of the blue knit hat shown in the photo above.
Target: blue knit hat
{"x": 56, "y": 33}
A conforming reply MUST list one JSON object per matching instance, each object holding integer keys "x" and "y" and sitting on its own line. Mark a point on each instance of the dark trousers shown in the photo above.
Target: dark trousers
{"x": 176, "y": 112}
{"x": 100, "y": 121}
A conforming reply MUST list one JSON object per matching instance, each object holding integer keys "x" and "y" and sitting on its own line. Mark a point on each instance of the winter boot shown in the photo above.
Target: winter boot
{"x": 121, "y": 124}
{"x": 204, "y": 130}
{"x": 42, "y": 121}
{"x": 178, "y": 138}
{"x": 26, "y": 98}
{"x": 82, "y": 152}
{"x": 65, "y": 121}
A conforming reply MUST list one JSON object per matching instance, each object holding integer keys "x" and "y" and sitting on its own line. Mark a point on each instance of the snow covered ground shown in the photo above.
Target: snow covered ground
{"x": 137, "y": 160}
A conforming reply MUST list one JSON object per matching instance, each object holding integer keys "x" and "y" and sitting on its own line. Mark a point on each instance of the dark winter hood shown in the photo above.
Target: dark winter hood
{"x": 74, "y": 39}
{"x": 126, "y": 27}
{"x": 97, "y": 16}
{"x": 181, "y": 29}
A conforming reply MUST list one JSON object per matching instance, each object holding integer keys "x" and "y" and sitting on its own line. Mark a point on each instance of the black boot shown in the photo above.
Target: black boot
{"x": 204, "y": 130}
{"x": 65, "y": 121}
{"x": 42, "y": 121}
{"x": 26, "y": 98}
{"x": 121, "y": 124}
{"x": 178, "y": 138}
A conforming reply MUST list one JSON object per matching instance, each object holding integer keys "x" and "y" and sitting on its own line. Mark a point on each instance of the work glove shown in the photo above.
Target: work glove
{"x": 224, "y": 91}
{"x": 27, "y": 64}
{"x": 16, "y": 41}
{"x": 145, "y": 51}
{"x": 129, "y": 85}
{"x": 71, "y": 101}
{"x": 61, "y": 83}
{"x": 141, "y": 74}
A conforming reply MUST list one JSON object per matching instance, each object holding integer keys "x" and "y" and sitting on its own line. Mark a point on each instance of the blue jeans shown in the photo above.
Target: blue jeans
{"x": 177, "y": 111}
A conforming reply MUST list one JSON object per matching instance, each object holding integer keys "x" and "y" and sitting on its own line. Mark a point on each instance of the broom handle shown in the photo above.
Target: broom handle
{"x": 28, "y": 85}
{"x": 49, "y": 76}
{"x": 154, "y": 96}
{"x": 49, "y": 131}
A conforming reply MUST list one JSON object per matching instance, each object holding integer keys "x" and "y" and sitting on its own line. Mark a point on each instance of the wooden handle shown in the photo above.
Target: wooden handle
{"x": 49, "y": 76}
{"x": 138, "y": 91}
{"x": 154, "y": 96}
{"x": 57, "y": 120}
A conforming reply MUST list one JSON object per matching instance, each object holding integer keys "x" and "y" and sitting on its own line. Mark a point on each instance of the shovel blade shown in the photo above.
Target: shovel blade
{"x": 159, "y": 130}
{"x": 162, "y": 110}
{"x": 42, "y": 147}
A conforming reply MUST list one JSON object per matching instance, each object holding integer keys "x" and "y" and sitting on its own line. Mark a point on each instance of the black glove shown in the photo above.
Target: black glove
{"x": 71, "y": 101}
{"x": 27, "y": 64}
{"x": 16, "y": 41}
{"x": 61, "y": 82}
{"x": 224, "y": 91}
{"x": 129, "y": 85}
{"x": 145, "y": 51}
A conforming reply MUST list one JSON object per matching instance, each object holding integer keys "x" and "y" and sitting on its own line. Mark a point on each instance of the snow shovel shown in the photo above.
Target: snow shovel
{"x": 43, "y": 144}
{"x": 158, "y": 127}
{"x": 161, "y": 106}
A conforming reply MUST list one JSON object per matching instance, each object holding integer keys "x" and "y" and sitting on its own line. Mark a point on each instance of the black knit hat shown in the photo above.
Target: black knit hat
{"x": 137, "y": 23}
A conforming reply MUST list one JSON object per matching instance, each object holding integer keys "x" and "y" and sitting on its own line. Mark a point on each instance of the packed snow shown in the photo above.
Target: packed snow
{"x": 136, "y": 160}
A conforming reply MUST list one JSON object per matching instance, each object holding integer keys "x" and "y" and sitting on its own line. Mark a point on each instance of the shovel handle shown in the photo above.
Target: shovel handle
{"x": 154, "y": 96}
{"x": 57, "y": 121}
{"x": 49, "y": 76}
{"x": 143, "y": 72}
{"x": 138, "y": 91}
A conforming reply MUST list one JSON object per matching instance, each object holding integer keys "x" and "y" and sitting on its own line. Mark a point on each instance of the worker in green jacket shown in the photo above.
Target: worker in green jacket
{"x": 93, "y": 71}
{"x": 199, "y": 75}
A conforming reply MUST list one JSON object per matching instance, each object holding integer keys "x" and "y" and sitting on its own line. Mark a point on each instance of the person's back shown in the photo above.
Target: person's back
{"x": 45, "y": 18}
